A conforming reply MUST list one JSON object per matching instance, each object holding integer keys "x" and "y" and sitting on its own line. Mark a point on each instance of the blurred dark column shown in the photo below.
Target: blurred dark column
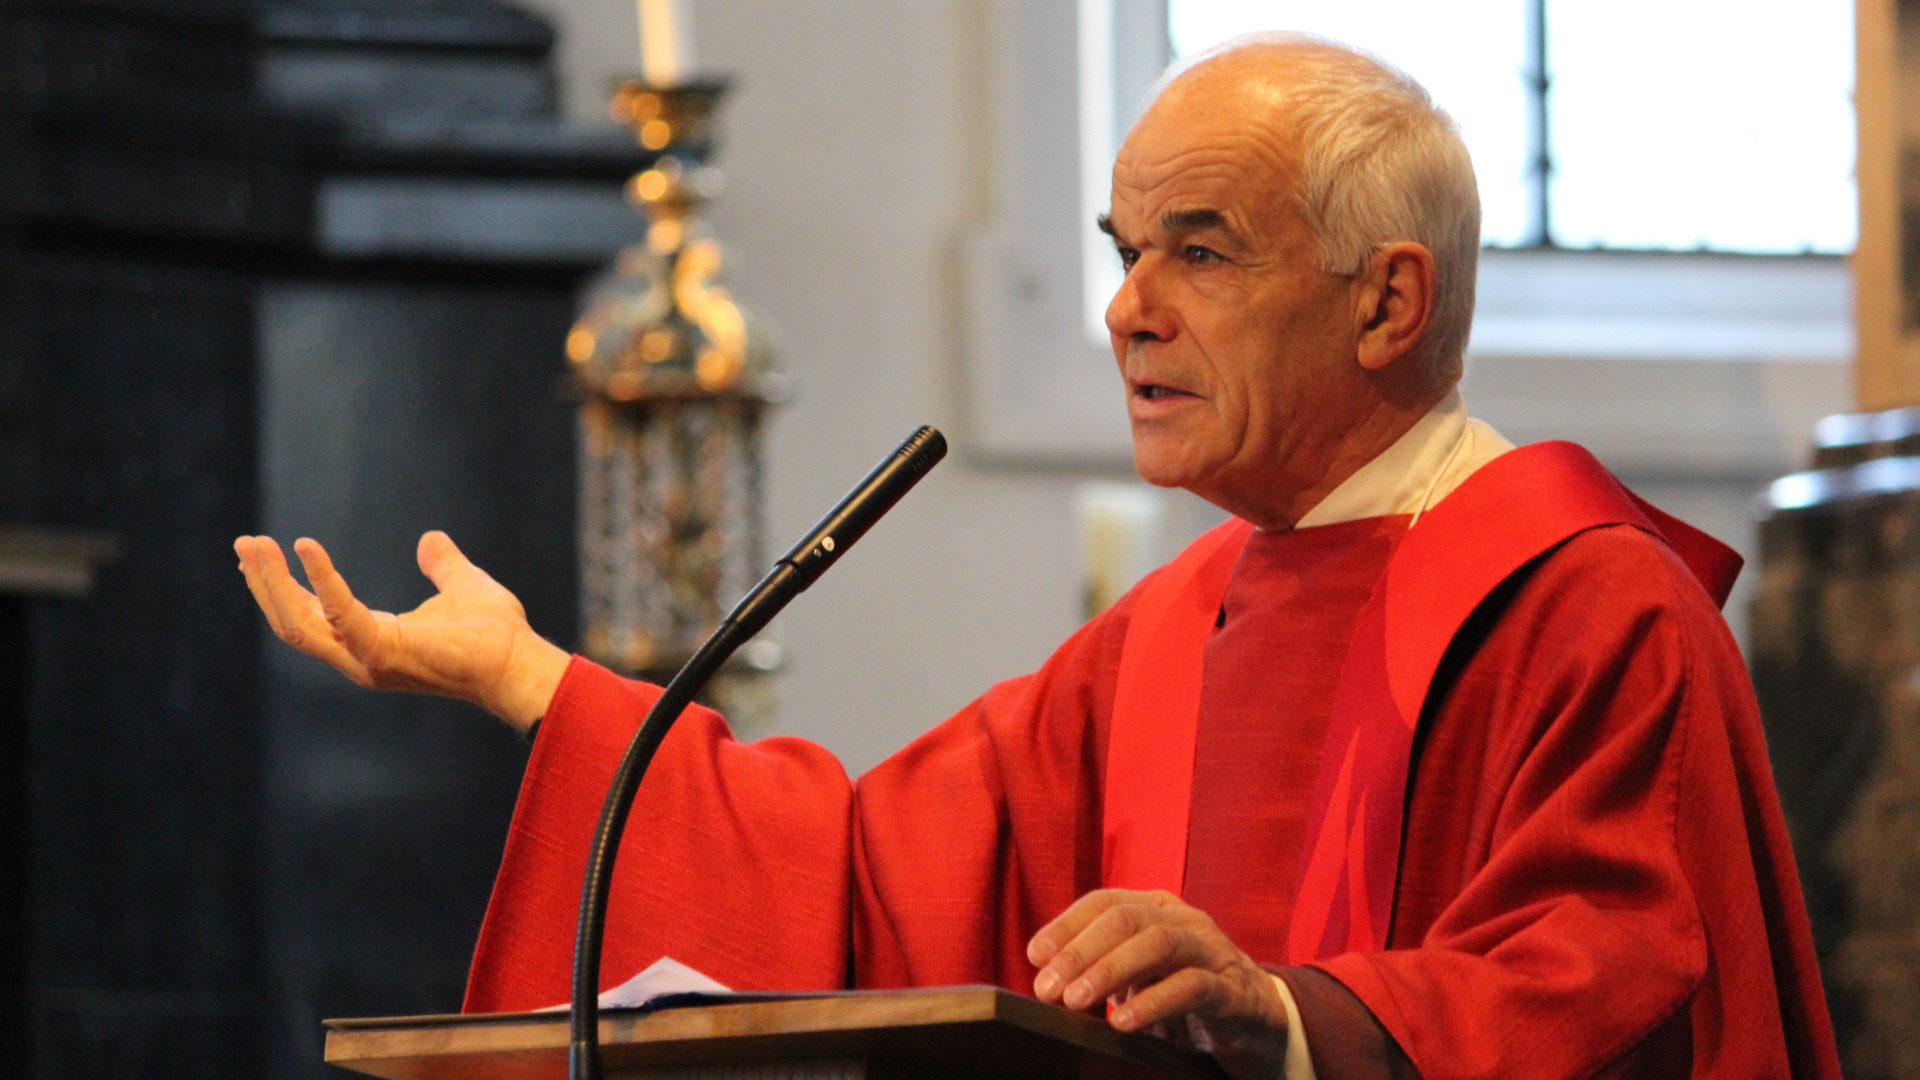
{"x": 13, "y": 630}
{"x": 12, "y": 147}
{"x": 302, "y": 267}
{"x": 13, "y": 829}
{"x": 1836, "y": 662}
{"x": 13, "y": 822}
{"x": 37, "y": 566}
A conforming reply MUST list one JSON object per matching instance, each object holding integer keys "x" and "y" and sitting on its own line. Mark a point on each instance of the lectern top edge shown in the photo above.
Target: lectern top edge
{"x": 974, "y": 995}
{"x": 940, "y": 1028}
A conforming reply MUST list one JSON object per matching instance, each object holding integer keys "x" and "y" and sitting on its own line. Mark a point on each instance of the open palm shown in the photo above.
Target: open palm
{"x": 469, "y": 641}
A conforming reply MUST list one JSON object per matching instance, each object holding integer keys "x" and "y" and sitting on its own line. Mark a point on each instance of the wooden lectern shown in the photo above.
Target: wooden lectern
{"x": 948, "y": 1032}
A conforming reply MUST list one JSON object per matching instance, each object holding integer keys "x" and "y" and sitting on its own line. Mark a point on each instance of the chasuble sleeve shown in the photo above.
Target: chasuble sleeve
{"x": 1595, "y": 879}
{"x": 763, "y": 866}
{"x": 976, "y": 835}
{"x": 734, "y": 860}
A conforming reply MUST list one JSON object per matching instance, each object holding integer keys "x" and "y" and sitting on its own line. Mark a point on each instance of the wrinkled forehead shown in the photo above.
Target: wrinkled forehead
{"x": 1219, "y": 136}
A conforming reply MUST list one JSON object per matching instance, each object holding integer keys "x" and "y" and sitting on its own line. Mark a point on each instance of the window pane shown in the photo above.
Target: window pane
{"x": 1724, "y": 124}
{"x": 1471, "y": 55}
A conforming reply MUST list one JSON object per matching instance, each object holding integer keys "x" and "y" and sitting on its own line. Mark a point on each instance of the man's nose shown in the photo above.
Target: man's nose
{"x": 1138, "y": 310}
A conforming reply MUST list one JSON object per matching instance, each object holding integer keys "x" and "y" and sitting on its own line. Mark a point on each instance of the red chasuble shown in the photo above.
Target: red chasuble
{"x": 1268, "y": 676}
{"x": 1587, "y": 874}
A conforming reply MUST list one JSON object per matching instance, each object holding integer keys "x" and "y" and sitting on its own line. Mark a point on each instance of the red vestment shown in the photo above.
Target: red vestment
{"x": 1266, "y": 697}
{"x": 1593, "y": 874}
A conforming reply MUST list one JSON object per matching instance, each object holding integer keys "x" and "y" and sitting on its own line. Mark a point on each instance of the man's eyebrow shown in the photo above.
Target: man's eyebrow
{"x": 1195, "y": 219}
{"x": 1178, "y": 221}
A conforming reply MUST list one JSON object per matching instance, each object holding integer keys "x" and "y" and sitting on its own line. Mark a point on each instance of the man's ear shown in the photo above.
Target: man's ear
{"x": 1395, "y": 303}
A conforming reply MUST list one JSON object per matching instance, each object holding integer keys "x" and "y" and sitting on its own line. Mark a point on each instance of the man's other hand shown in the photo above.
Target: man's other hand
{"x": 1164, "y": 966}
{"x": 469, "y": 641}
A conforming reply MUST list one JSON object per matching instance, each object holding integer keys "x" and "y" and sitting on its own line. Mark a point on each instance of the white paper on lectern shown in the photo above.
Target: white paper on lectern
{"x": 664, "y": 977}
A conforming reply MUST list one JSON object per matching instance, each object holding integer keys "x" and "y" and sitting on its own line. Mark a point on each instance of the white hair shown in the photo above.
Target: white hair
{"x": 1379, "y": 163}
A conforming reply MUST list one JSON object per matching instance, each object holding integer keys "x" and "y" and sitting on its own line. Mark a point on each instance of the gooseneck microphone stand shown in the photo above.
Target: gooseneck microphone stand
{"x": 799, "y": 568}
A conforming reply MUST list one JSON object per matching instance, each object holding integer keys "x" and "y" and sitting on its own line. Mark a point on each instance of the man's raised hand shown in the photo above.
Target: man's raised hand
{"x": 1165, "y": 965}
{"x": 469, "y": 641}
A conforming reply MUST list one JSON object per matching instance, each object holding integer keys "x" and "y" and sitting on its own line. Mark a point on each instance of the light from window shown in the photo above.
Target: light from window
{"x": 1720, "y": 124}
{"x": 1724, "y": 125}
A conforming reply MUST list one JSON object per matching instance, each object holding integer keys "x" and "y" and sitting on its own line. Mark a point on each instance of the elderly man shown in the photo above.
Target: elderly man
{"x": 1437, "y": 760}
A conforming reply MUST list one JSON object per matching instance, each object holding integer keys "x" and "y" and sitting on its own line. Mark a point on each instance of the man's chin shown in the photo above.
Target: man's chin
{"x": 1155, "y": 469}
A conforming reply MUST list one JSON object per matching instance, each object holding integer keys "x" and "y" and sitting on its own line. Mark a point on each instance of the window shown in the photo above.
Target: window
{"x": 1670, "y": 365}
{"x": 1713, "y": 125}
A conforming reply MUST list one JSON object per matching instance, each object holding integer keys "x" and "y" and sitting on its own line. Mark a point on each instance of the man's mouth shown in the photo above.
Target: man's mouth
{"x": 1154, "y": 392}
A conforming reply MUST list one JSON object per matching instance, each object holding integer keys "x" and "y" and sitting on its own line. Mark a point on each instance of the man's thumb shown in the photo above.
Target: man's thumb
{"x": 440, "y": 559}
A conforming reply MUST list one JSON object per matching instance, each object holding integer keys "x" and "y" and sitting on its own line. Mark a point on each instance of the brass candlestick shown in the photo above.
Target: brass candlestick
{"x": 673, "y": 381}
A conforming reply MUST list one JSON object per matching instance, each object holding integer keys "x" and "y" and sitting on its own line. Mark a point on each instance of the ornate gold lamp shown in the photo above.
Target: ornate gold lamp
{"x": 673, "y": 381}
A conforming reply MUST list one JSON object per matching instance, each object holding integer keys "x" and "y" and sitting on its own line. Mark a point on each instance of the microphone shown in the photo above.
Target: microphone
{"x": 845, "y": 523}
{"x": 790, "y": 576}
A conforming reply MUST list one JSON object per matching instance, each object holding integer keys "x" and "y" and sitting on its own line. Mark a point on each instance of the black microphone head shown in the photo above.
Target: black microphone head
{"x": 864, "y": 505}
{"x": 926, "y": 446}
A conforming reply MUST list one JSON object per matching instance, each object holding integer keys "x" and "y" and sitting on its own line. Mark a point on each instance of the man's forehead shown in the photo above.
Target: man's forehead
{"x": 1224, "y": 117}
{"x": 1216, "y": 164}
{"x": 1182, "y": 187}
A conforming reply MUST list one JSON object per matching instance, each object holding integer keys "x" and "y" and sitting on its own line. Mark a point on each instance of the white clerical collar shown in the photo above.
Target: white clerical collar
{"x": 1422, "y": 467}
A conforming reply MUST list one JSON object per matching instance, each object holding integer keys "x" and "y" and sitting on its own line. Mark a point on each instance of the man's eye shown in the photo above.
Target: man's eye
{"x": 1128, "y": 256}
{"x": 1203, "y": 256}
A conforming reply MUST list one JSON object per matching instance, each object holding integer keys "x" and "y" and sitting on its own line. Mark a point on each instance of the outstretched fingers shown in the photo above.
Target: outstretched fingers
{"x": 247, "y": 548}
{"x": 292, "y": 611}
{"x": 296, "y": 616}
{"x": 469, "y": 641}
{"x": 353, "y": 624}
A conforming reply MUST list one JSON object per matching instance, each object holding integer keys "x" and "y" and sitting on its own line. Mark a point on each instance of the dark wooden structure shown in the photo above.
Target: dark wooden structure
{"x": 292, "y": 266}
{"x": 36, "y": 566}
{"x": 1836, "y": 661}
